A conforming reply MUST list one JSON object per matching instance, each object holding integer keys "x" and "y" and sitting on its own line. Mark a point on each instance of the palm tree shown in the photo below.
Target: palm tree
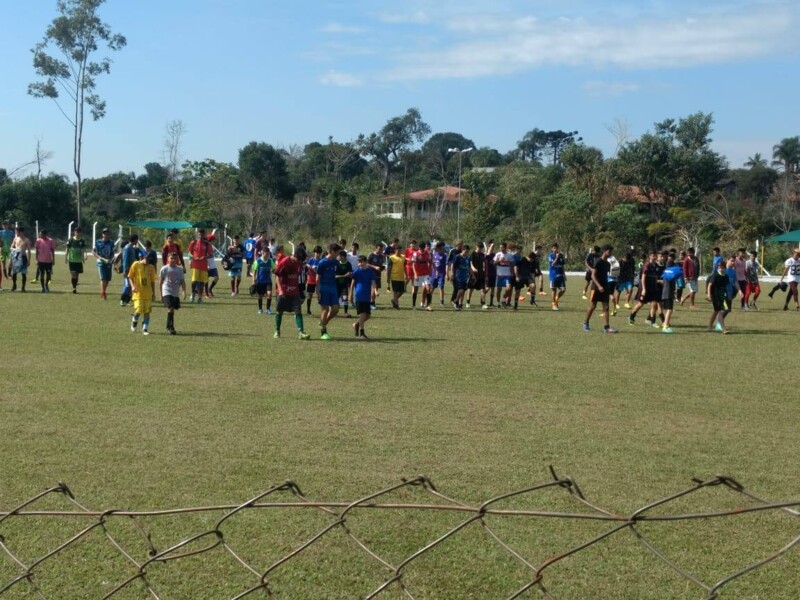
{"x": 787, "y": 155}
{"x": 756, "y": 161}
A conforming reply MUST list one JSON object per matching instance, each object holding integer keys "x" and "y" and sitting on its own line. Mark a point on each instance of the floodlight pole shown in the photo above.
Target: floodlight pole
{"x": 458, "y": 209}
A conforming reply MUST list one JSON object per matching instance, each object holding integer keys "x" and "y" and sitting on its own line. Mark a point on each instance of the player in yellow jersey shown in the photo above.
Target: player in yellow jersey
{"x": 143, "y": 280}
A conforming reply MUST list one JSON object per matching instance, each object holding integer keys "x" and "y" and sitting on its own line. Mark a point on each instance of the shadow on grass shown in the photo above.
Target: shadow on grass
{"x": 379, "y": 340}
{"x": 216, "y": 334}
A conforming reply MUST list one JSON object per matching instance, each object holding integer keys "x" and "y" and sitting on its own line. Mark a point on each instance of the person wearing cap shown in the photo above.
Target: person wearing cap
{"x": 172, "y": 244}
{"x": 7, "y": 236}
{"x": 20, "y": 258}
{"x": 75, "y": 257}
{"x": 792, "y": 270}
{"x": 103, "y": 251}
{"x": 200, "y": 250}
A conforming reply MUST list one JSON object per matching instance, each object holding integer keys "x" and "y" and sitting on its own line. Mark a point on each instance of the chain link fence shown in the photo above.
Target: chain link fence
{"x": 135, "y": 566}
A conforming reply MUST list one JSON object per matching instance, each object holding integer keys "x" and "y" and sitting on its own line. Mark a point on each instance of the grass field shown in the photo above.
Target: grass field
{"x": 480, "y": 402}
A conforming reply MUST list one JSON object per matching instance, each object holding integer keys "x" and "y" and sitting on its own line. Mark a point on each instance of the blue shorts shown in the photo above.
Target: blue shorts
{"x": 104, "y": 271}
{"x": 437, "y": 281}
{"x": 213, "y": 273}
{"x": 328, "y": 296}
{"x": 503, "y": 281}
{"x": 624, "y": 286}
{"x": 559, "y": 282}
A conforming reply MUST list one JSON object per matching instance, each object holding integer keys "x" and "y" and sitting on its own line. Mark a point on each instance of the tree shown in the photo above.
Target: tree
{"x": 442, "y": 163}
{"x": 755, "y": 161}
{"x": 787, "y": 155}
{"x": 396, "y": 137}
{"x": 262, "y": 170}
{"x": 675, "y": 162}
{"x": 75, "y": 33}
{"x": 538, "y": 144}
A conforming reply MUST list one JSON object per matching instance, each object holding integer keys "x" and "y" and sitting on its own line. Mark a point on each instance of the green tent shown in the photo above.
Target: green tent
{"x": 161, "y": 224}
{"x": 789, "y": 236}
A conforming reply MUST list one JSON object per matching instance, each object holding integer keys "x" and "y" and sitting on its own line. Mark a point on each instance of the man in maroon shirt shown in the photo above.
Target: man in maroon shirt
{"x": 287, "y": 288}
{"x": 691, "y": 270}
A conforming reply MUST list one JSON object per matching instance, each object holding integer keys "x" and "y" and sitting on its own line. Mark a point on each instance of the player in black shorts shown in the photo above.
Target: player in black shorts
{"x": 601, "y": 291}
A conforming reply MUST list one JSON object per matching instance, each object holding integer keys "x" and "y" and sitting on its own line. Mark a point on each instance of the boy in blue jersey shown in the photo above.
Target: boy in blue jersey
{"x": 558, "y": 278}
{"x": 327, "y": 292}
{"x": 360, "y": 295}
{"x": 104, "y": 253}
{"x": 262, "y": 270}
{"x": 462, "y": 269}
{"x": 250, "y": 252}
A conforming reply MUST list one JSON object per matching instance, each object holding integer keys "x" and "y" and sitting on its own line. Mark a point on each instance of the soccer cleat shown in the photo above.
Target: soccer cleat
{"x": 586, "y": 327}
{"x": 74, "y": 291}
{"x": 144, "y": 331}
{"x": 655, "y": 325}
{"x": 609, "y": 330}
{"x": 259, "y": 311}
{"x": 371, "y": 307}
{"x": 303, "y": 336}
{"x": 429, "y": 309}
{"x": 667, "y": 330}
{"x": 631, "y": 320}
{"x": 627, "y": 305}
{"x": 363, "y": 336}
{"x": 745, "y": 307}
{"x": 484, "y": 307}
{"x": 268, "y": 312}
{"x": 121, "y": 302}
{"x": 276, "y": 335}
{"x": 325, "y": 336}
{"x": 614, "y": 312}
{"x": 172, "y": 331}
{"x": 133, "y": 328}
{"x": 584, "y": 297}
{"x": 191, "y": 299}
{"x": 200, "y": 301}
{"x": 555, "y": 307}
{"x": 718, "y": 326}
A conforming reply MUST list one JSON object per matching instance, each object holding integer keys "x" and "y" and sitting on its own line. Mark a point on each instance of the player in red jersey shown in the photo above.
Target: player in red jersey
{"x": 287, "y": 287}
{"x": 421, "y": 269}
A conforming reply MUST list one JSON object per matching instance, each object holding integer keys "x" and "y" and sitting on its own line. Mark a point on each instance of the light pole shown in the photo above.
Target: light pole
{"x": 458, "y": 217}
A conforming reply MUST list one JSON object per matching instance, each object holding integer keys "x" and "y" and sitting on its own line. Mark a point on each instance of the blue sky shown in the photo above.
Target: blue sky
{"x": 289, "y": 73}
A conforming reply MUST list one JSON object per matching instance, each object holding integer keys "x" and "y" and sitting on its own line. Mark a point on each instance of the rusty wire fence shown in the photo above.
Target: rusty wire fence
{"x": 134, "y": 565}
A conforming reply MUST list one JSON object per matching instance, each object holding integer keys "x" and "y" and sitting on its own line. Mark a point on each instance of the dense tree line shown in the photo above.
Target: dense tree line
{"x": 668, "y": 187}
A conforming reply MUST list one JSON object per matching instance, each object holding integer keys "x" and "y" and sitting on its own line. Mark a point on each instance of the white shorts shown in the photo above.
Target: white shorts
{"x": 424, "y": 281}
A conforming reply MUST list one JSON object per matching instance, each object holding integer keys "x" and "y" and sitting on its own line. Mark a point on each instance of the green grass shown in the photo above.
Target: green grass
{"x": 480, "y": 402}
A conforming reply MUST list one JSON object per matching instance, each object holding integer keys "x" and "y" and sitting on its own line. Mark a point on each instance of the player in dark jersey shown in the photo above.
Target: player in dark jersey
{"x": 601, "y": 291}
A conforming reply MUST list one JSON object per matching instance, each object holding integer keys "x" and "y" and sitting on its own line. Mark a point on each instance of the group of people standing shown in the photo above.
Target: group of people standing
{"x": 498, "y": 276}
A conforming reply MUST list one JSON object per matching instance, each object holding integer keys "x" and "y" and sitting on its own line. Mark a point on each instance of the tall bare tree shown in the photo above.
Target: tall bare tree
{"x": 75, "y": 35}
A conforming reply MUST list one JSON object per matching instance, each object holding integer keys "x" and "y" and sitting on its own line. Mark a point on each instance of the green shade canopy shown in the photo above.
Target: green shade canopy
{"x": 789, "y": 236}
{"x": 161, "y": 224}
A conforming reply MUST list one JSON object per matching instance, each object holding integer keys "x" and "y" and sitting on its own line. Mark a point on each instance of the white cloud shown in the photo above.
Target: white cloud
{"x": 340, "y": 28}
{"x": 340, "y": 79}
{"x": 510, "y": 45}
{"x": 610, "y": 88}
